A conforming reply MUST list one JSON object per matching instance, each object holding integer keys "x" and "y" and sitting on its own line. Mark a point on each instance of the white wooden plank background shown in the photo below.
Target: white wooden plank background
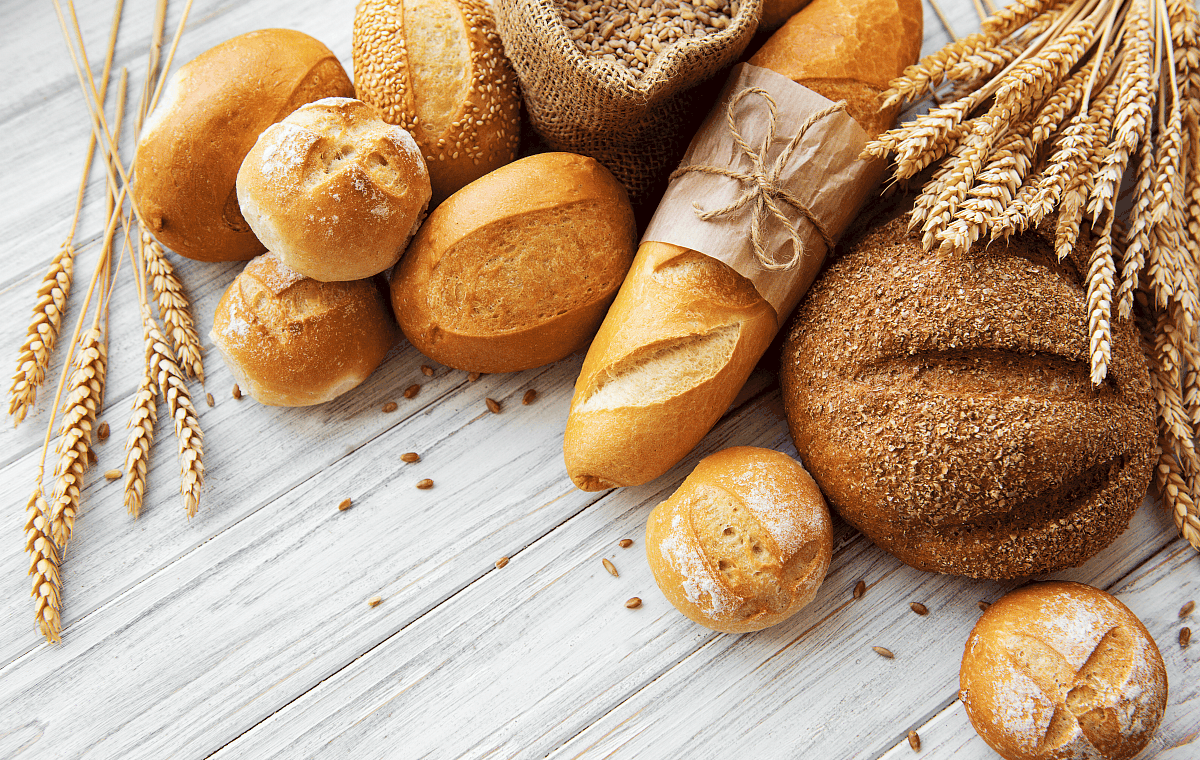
{"x": 245, "y": 633}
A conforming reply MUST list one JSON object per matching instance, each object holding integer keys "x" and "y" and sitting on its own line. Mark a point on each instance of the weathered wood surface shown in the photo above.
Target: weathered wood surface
{"x": 246, "y": 633}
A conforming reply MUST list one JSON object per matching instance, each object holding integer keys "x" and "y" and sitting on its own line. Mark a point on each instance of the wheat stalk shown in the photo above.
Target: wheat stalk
{"x": 993, "y": 192}
{"x": 85, "y": 392}
{"x": 919, "y": 79}
{"x": 1177, "y": 495}
{"x": 33, "y": 358}
{"x": 43, "y": 566}
{"x": 183, "y": 414}
{"x": 174, "y": 308}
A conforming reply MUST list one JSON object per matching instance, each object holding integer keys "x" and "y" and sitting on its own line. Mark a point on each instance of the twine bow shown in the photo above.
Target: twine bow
{"x": 764, "y": 189}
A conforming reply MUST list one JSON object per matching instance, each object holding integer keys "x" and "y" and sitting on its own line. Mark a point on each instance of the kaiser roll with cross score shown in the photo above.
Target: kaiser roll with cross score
{"x": 211, "y": 113}
{"x": 1062, "y": 670}
{"x": 945, "y": 407}
{"x": 686, "y": 329}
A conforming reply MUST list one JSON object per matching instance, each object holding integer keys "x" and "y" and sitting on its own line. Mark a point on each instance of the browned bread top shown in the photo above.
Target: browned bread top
{"x": 211, "y": 113}
{"x": 1062, "y": 670}
{"x": 945, "y": 408}
{"x": 848, "y": 50}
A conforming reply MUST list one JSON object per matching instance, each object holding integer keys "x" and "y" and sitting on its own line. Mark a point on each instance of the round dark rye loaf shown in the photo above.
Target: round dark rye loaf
{"x": 945, "y": 408}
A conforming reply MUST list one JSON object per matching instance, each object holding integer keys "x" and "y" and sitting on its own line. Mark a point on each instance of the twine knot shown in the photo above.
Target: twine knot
{"x": 763, "y": 187}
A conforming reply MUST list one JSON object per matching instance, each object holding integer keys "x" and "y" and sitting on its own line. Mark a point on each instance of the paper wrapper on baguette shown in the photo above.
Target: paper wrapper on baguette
{"x": 705, "y": 296}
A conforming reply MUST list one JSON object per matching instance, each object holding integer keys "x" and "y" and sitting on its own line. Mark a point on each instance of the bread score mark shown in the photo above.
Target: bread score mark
{"x": 660, "y": 371}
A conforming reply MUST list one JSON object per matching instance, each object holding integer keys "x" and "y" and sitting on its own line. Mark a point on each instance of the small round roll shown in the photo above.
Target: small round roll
{"x": 212, "y": 110}
{"x": 334, "y": 191}
{"x": 294, "y": 341}
{"x": 744, "y": 542}
{"x": 1060, "y": 669}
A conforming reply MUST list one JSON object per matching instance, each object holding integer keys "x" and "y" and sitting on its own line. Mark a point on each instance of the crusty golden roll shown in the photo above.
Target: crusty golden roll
{"x": 294, "y": 341}
{"x": 944, "y": 405}
{"x": 437, "y": 68}
{"x": 516, "y": 269}
{"x": 334, "y": 191}
{"x": 1062, "y": 670}
{"x": 744, "y": 542}
{"x": 210, "y": 114}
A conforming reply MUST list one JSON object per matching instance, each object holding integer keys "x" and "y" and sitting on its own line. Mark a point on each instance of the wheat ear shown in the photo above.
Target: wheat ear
{"x": 85, "y": 392}
{"x": 43, "y": 566}
{"x": 141, "y": 434}
{"x": 1100, "y": 286}
{"x": 179, "y": 402}
{"x": 1177, "y": 496}
{"x": 34, "y": 355}
{"x": 174, "y": 308}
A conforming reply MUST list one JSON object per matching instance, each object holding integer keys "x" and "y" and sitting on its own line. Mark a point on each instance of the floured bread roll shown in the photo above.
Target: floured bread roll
{"x": 334, "y": 191}
{"x": 1062, "y": 670}
{"x": 294, "y": 341}
{"x": 744, "y": 542}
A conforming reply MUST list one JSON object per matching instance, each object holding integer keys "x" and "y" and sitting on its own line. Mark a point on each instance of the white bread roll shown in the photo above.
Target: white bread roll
{"x": 334, "y": 191}
{"x": 1062, "y": 670}
{"x": 437, "y": 68}
{"x": 676, "y": 350}
{"x": 744, "y": 543}
{"x": 517, "y": 269}
{"x": 294, "y": 341}
{"x": 212, "y": 110}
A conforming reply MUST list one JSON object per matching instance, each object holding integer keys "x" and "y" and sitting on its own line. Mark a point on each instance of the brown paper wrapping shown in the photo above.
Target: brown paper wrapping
{"x": 824, "y": 174}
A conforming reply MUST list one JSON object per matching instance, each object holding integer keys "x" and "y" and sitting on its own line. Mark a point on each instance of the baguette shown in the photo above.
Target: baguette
{"x": 686, "y": 330}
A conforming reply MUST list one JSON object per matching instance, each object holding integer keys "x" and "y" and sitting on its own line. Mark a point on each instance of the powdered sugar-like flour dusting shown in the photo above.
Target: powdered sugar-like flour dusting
{"x": 700, "y": 586}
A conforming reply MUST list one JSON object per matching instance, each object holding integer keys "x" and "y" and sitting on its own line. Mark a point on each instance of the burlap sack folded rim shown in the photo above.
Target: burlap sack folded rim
{"x": 681, "y": 65}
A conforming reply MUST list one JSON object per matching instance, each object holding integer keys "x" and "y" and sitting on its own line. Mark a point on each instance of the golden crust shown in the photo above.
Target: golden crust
{"x": 517, "y": 269}
{"x": 294, "y": 341}
{"x": 210, "y": 115}
{"x": 484, "y": 132}
{"x": 848, "y": 50}
{"x": 689, "y": 327}
{"x": 743, "y": 543}
{"x": 334, "y": 191}
{"x": 1062, "y": 670}
{"x": 944, "y": 405}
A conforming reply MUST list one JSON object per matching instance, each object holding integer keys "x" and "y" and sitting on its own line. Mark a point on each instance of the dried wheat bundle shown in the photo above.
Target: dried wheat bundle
{"x": 1042, "y": 115}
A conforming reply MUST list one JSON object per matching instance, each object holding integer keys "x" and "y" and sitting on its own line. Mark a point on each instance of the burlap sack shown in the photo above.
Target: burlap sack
{"x": 636, "y": 124}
